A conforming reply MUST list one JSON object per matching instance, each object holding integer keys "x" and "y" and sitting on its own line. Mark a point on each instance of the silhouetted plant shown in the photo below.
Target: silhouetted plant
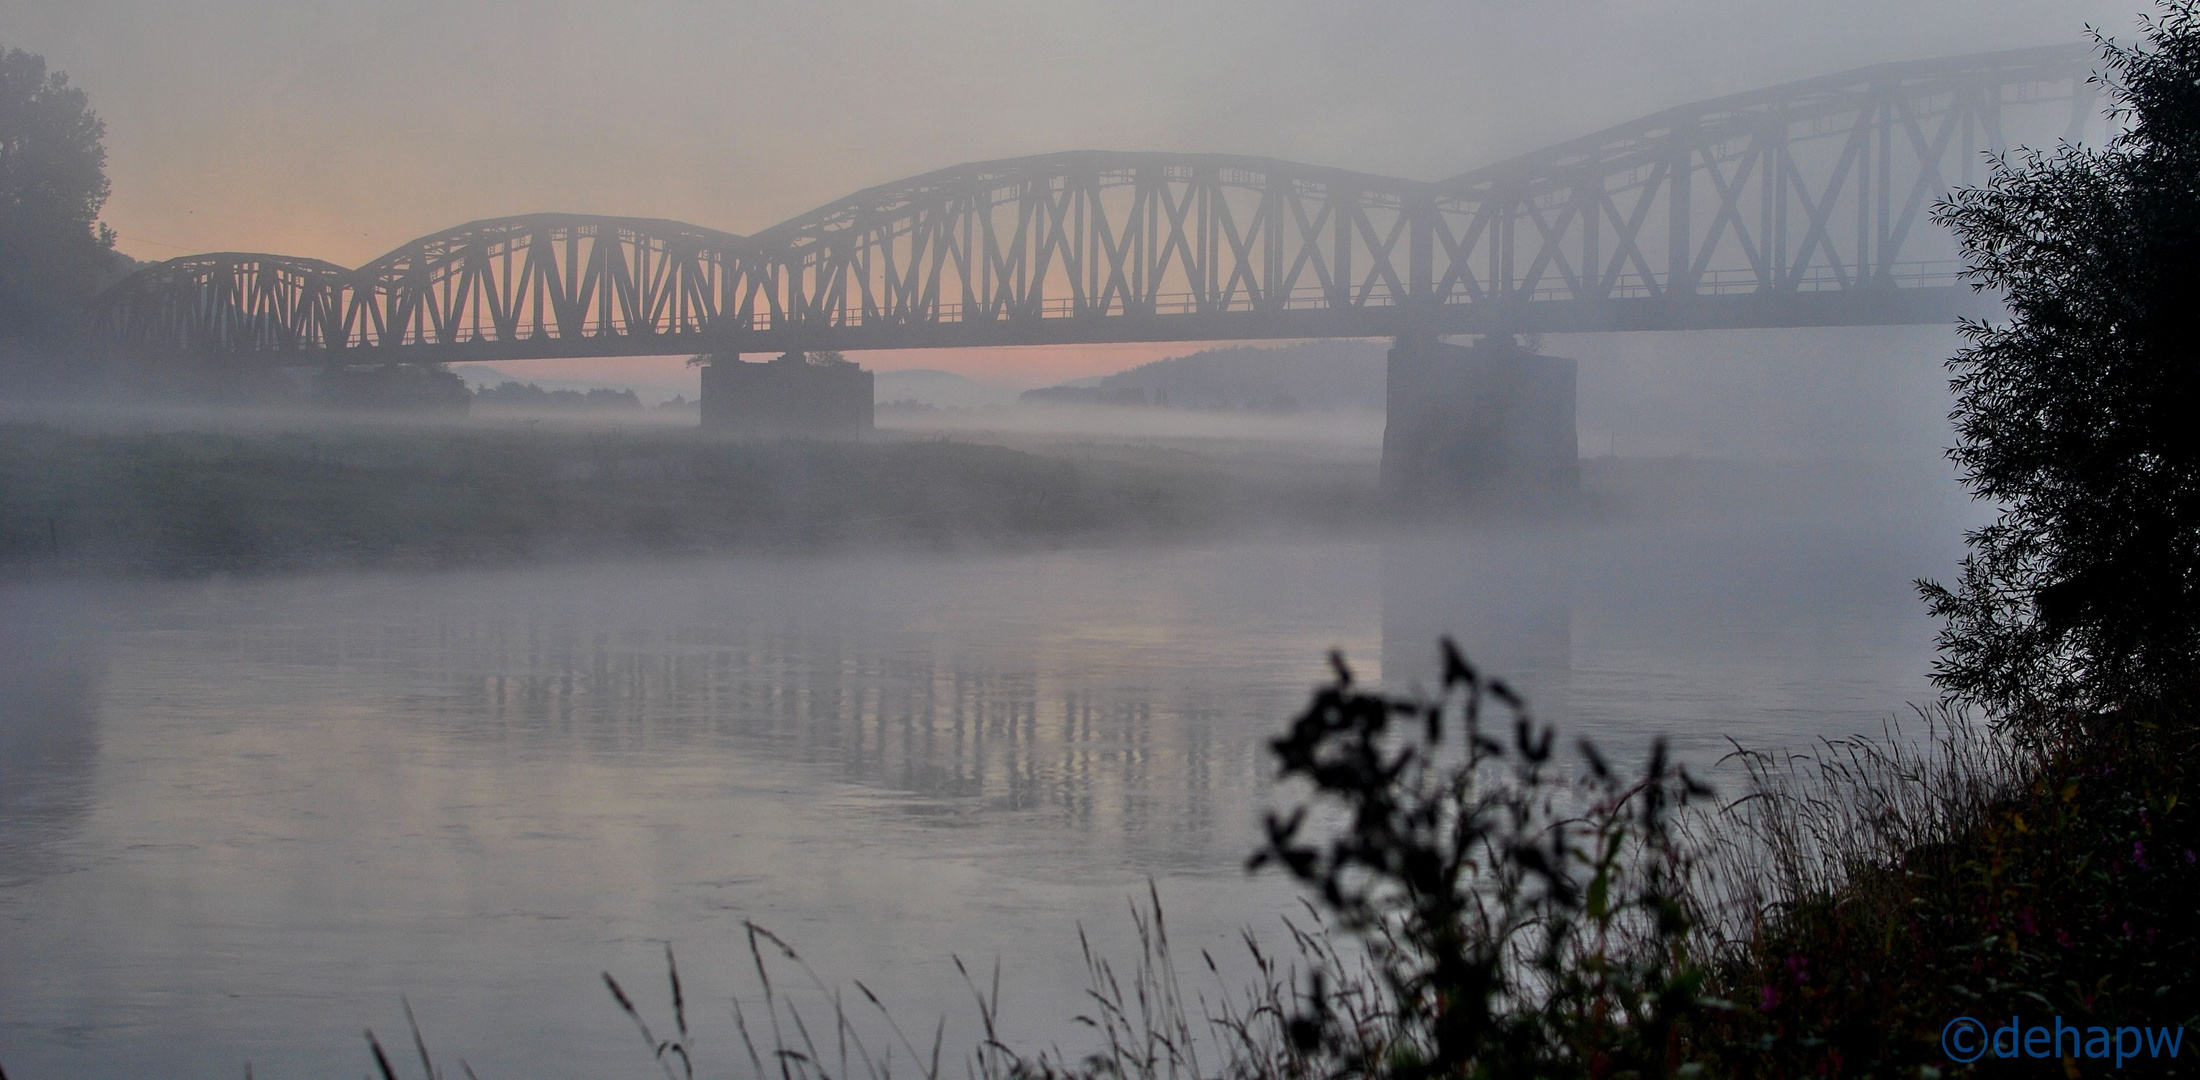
{"x": 2075, "y": 414}
{"x": 387, "y": 1071}
{"x": 1524, "y": 920}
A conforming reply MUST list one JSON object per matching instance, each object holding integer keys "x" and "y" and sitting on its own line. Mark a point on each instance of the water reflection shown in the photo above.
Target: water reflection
{"x": 49, "y": 728}
{"x": 1121, "y": 696}
{"x": 315, "y": 793}
{"x": 995, "y": 732}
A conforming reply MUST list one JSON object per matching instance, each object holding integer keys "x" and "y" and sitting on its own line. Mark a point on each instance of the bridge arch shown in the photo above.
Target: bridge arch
{"x": 227, "y": 302}
{"x": 1127, "y": 244}
{"x": 1818, "y": 185}
{"x": 554, "y": 281}
{"x": 1800, "y": 204}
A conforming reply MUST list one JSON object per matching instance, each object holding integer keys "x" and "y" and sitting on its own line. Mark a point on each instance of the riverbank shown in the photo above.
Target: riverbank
{"x": 1931, "y": 906}
{"x": 88, "y": 499}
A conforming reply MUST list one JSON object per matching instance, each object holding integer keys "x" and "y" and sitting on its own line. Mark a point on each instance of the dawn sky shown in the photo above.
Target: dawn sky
{"x": 342, "y": 129}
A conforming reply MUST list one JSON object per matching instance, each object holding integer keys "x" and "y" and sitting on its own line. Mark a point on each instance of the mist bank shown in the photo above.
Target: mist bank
{"x": 193, "y": 501}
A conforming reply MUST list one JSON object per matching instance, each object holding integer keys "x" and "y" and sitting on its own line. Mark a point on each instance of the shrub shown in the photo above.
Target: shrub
{"x": 2083, "y": 597}
{"x": 1523, "y": 921}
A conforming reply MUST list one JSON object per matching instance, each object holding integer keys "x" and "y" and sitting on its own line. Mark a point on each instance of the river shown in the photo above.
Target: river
{"x": 240, "y": 817}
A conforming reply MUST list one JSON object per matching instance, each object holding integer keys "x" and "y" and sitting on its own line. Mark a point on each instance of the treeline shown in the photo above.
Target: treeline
{"x": 515, "y": 395}
{"x": 186, "y": 502}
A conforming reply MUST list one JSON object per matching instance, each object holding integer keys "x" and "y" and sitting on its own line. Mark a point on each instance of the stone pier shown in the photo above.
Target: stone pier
{"x": 1477, "y": 425}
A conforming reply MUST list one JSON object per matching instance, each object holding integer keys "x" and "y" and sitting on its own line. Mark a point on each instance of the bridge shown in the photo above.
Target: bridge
{"x": 1804, "y": 204}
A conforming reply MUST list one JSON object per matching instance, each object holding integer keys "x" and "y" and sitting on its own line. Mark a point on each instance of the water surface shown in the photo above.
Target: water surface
{"x": 239, "y": 817}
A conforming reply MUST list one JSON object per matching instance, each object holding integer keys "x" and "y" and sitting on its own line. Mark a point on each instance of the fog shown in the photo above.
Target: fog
{"x": 307, "y": 709}
{"x": 1835, "y": 394}
{"x": 560, "y": 688}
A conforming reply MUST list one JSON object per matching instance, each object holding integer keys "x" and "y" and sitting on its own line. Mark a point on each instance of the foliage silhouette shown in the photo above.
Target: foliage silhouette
{"x": 1524, "y": 921}
{"x": 54, "y": 253}
{"x": 2075, "y": 415}
{"x": 513, "y": 394}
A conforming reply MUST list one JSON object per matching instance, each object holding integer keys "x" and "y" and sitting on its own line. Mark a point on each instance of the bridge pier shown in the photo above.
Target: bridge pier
{"x": 790, "y": 395}
{"x": 1476, "y": 425}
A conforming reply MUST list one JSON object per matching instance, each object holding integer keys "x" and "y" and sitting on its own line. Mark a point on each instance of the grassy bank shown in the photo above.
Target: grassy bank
{"x": 185, "y": 501}
{"x": 1837, "y": 916}
{"x": 1898, "y": 889}
{"x": 1485, "y": 904}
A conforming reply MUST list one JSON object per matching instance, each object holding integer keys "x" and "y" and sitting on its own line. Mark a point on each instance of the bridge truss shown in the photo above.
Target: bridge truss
{"x": 1798, "y": 205}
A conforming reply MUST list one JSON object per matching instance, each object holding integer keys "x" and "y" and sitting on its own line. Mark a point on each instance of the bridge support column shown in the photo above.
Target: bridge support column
{"x": 791, "y": 395}
{"x": 1476, "y": 425}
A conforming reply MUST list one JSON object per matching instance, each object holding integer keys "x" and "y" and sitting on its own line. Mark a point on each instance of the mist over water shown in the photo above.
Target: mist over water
{"x": 473, "y": 663}
{"x": 242, "y": 815}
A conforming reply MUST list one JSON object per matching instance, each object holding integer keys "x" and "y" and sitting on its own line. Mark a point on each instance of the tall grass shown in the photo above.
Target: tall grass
{"x": 1478, "y": 907}
{"x": 1901, "y": 884}
{"x": 1810, "y": 824}
{"x": 1143, "y": 1021}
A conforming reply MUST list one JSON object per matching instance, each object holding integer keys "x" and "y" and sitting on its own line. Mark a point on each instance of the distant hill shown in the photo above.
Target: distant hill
{"x": 1309, "y": 376}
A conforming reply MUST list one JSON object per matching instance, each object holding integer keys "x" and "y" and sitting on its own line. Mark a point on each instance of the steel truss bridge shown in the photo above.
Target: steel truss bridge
{"x": 1804, "y": 204}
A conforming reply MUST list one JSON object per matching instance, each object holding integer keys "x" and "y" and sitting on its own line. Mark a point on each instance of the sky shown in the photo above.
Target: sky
{"x": 340, "y": 129}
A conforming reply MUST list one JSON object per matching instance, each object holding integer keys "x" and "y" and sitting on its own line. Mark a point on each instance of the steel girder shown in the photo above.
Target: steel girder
{"x": 542, "y": 278}
{"x": 225, "y": 302}
{"x": 1801, "y": 204}
{"x": 1819, "y": 185}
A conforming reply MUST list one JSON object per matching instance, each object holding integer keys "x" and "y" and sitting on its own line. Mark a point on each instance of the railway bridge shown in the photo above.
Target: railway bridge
{"x": 1804, "y": 204}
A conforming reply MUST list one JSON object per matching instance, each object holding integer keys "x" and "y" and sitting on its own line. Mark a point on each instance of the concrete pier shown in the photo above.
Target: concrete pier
{"x": 1476, "y": 425}
{"x": 790, "y": 395}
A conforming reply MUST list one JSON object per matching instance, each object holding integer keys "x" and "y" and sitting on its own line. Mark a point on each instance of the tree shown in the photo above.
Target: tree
{"x": 54, "y": 253}
{"x": 2080, "y": 413}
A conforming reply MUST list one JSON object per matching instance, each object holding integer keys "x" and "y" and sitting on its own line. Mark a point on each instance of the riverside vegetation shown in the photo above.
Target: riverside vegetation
{"x": 1484, "y": 905}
